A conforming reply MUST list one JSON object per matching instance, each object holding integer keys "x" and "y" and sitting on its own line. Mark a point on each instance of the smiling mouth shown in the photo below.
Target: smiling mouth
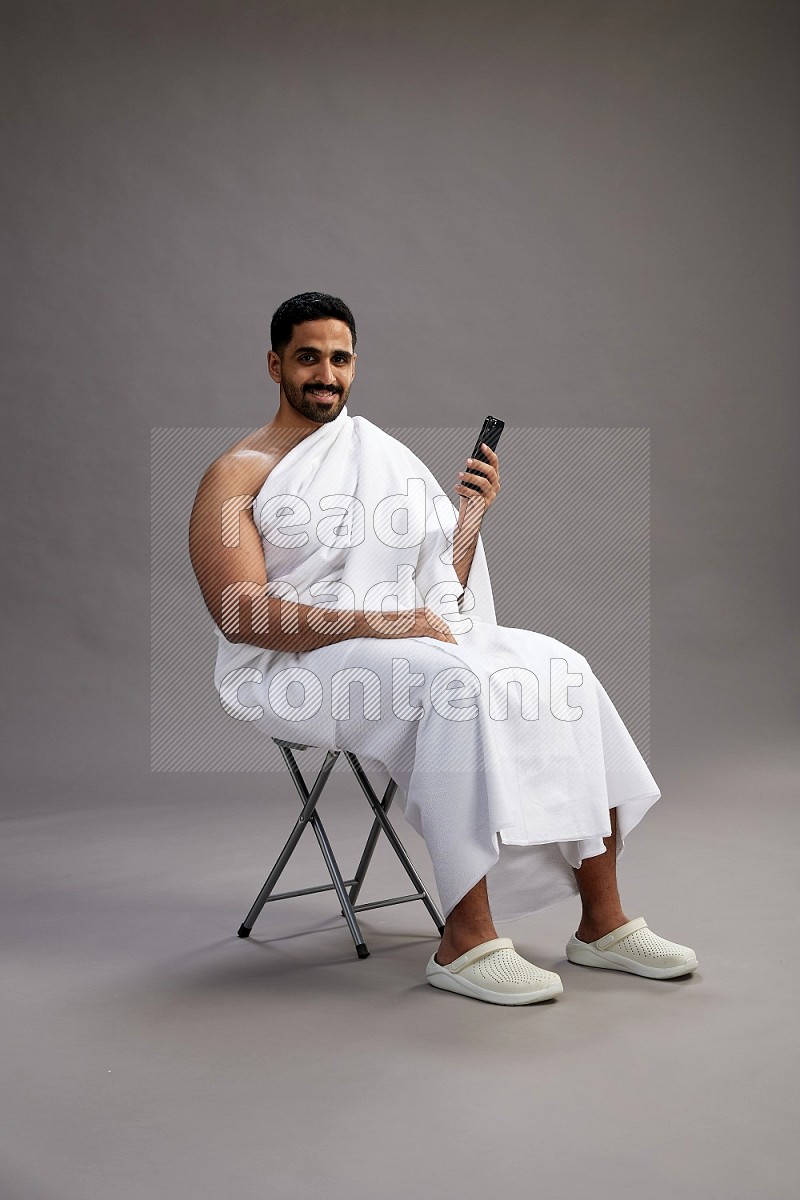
{"x": 327, "y": 396}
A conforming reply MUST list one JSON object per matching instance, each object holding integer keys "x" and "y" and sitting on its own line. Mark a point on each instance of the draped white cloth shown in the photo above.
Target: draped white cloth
{"x": 507, "y": 751}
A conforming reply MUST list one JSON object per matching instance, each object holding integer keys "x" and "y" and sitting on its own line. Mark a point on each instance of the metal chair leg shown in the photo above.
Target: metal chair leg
{"x": 309, "y": 816}
{"x": 333, "y": 868}
{"x": 394, "y": 840}
{"x": 309, "y": 804}
{"x": 369, "y": 849}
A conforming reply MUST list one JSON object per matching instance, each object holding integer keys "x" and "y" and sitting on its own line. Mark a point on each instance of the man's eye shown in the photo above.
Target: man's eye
{"x": 340, "y": 361}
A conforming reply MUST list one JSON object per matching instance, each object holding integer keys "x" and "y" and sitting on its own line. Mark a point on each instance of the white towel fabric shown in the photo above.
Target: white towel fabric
{"x": 495, "y": 784}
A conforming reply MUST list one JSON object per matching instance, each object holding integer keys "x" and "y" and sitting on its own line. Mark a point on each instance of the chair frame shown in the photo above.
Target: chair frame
{"x": 310, "y": 816}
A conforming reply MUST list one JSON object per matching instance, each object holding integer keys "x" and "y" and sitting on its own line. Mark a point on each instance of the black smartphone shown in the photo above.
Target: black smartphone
{"x": 490, "y": 433}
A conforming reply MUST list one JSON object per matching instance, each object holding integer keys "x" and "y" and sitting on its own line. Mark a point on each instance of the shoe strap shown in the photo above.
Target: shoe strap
{"x": 622, "y": 931}
{"x": 471, "y": 956}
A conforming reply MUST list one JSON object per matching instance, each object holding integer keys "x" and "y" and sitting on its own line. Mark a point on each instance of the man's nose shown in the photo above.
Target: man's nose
{"x": 325, "y": 374}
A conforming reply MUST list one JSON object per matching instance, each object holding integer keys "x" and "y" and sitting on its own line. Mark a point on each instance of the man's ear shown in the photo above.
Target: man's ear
{"x": 274, "y": 366}
{"x": 355, "y": 356}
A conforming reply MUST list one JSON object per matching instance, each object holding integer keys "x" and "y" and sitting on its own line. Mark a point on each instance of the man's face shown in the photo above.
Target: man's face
{"x": 317, "y": 368}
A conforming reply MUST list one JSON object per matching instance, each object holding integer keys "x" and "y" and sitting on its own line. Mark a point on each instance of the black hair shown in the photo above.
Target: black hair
{"x": 308, "y": 306}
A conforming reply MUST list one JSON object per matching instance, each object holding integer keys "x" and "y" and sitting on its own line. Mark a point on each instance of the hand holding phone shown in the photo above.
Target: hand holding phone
{"x": 490, "y": 434}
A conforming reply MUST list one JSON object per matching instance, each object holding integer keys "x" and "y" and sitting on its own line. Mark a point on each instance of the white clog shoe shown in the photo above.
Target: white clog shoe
{"x": 493, "y": 971}
{"x": 635, "y": 948}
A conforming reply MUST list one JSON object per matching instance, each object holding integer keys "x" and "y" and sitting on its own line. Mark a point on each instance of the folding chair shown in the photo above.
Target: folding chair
{"x": 310, "y": 816}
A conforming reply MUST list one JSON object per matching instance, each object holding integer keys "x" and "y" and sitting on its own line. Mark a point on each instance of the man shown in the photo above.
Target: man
{"x": 523, "y": 805}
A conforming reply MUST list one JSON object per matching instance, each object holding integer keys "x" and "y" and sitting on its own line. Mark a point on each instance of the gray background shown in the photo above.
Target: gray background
{"x": 575, "y": 214}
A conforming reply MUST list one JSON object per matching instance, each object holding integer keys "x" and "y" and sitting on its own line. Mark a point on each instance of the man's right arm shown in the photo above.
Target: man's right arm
{"x": 228, "y": 559}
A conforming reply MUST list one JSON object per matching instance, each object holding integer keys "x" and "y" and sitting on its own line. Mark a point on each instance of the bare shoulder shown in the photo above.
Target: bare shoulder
{"x": 242, "y": 469}
{"x": 237, "y": 472}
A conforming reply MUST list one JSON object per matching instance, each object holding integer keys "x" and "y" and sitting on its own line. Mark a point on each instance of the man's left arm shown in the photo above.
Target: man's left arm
{"x": 486, "y": 476}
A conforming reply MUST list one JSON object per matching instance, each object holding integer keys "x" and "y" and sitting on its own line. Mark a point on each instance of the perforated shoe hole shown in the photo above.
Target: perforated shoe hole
{"x": 644, "y": 944}
{"x": 506, "y": 966}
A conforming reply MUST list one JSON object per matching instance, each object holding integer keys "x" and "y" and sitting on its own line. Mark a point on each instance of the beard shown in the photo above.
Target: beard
{"x": 303, "y": 401}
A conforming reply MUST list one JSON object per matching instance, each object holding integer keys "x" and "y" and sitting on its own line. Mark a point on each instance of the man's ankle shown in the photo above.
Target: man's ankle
{"x": 591, "y": 930}
{"x": 458, "y": 942}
